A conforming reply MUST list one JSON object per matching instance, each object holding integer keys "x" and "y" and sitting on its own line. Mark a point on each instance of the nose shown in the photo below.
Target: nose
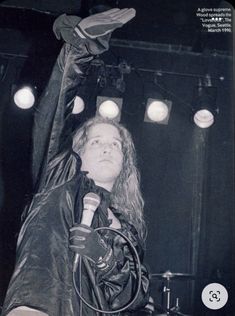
{"x": 107, "y": 148}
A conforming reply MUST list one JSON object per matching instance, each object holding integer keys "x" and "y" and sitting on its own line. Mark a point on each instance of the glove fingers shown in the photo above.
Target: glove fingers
{"x": 81, "y": 229}
{"x": 118, "y": 13}
{"x": 74, "y": 237}
{"x": 76, "y": 248}
{"x": 102, "y": 16}
{"x": 124, "y": 15}
{"x": 81, "y": 250}
{"x": 113, "y": 15}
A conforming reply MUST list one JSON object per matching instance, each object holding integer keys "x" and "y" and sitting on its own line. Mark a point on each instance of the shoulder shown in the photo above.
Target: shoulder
{"x": 62, "y": 169}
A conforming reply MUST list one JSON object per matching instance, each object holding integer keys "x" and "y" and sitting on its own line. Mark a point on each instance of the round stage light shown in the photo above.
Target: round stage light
{"x": 203, "y": 118}
{"x": 157, "y": 111}
{"x": 24, "y": 98}
{"x": 109, "y": 109}
{"x": 78, "y": 106}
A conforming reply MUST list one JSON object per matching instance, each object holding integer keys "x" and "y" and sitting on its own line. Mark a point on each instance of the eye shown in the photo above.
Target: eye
{"x": 117, "y": 144}
{"x": 95, "y": 142}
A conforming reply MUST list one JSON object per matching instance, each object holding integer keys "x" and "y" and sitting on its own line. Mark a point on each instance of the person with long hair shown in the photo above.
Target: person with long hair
{"x": 126, "y": 194}
{"x": 67, "y": 262}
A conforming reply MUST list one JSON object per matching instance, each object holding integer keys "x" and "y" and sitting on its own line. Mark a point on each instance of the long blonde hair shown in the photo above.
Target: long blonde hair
{"x": 126, "y": 195}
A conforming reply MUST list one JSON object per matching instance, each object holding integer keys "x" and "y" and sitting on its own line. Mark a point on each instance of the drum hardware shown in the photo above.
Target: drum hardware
{"x": 171, "y": 275}
{"x": 168, "y": 276}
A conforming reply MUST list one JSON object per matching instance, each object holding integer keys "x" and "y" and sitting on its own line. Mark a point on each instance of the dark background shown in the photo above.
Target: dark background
{"x": 186, "y": 172}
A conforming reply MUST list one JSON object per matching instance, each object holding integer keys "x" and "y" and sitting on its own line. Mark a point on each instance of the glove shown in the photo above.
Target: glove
{"x": 85, "y": 241}
{"x": 104, "y": 23}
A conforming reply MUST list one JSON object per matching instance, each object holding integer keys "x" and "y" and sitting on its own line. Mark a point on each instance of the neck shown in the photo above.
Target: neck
{"x": 106, "y": 185}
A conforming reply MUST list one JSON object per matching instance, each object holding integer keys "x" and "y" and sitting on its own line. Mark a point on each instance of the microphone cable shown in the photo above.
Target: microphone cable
{"x": 139, "y": 275}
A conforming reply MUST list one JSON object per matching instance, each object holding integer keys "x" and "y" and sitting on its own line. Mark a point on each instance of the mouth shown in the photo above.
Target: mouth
{"x": 106, "y": 160}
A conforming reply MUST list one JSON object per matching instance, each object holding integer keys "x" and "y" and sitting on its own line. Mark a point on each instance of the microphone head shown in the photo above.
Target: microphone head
{"x": 91, "y": 201}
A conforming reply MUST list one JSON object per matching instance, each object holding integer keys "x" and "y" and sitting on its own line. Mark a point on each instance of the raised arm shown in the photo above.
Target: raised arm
{"x": 83, "y": 40}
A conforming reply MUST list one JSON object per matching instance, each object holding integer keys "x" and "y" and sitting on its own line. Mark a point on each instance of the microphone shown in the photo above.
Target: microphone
{"x": 91, "y": 201}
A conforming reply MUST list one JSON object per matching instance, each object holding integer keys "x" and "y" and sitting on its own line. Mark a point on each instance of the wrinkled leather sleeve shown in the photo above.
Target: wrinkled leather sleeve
{"x": 56, "y": 103}
{"x": 54, "y": 107}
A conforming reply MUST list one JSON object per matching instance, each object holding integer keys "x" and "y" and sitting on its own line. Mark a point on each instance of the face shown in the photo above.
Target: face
{"x": 102, "y": 155}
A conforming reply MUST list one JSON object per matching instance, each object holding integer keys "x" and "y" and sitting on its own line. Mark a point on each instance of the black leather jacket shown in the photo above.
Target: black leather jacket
{"x": 43, "y": 273}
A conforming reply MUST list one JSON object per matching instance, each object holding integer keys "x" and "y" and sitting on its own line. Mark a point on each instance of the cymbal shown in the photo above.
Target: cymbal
{"x": 170, "y": 275}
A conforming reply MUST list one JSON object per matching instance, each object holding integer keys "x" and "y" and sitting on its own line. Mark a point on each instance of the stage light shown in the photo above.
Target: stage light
{"x": 78, "y": 105}
{"x": 24, "y": 97}
{"x": 203, "y": 118}
{"x": 157, "y": 111}
{"x": 204, "y": 106}
{"x": 108, "y": 107}
{"x": 158, "y": 106}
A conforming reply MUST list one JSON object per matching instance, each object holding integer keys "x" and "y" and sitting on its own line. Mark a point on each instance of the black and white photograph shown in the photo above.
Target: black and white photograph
{"x": 117, "y": 158}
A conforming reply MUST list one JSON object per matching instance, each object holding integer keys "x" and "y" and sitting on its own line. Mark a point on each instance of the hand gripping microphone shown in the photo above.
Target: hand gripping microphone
{"x": 91, "y": 201}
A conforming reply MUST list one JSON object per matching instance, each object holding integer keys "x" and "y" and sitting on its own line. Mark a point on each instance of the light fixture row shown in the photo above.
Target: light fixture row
{"x": 157, "y": 109}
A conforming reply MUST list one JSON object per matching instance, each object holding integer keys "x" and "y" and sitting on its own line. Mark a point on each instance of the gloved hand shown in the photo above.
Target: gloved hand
{"x": 92, "y": 32}
{"x": 85, "y": 241}
{"x": 105, "y": 22}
